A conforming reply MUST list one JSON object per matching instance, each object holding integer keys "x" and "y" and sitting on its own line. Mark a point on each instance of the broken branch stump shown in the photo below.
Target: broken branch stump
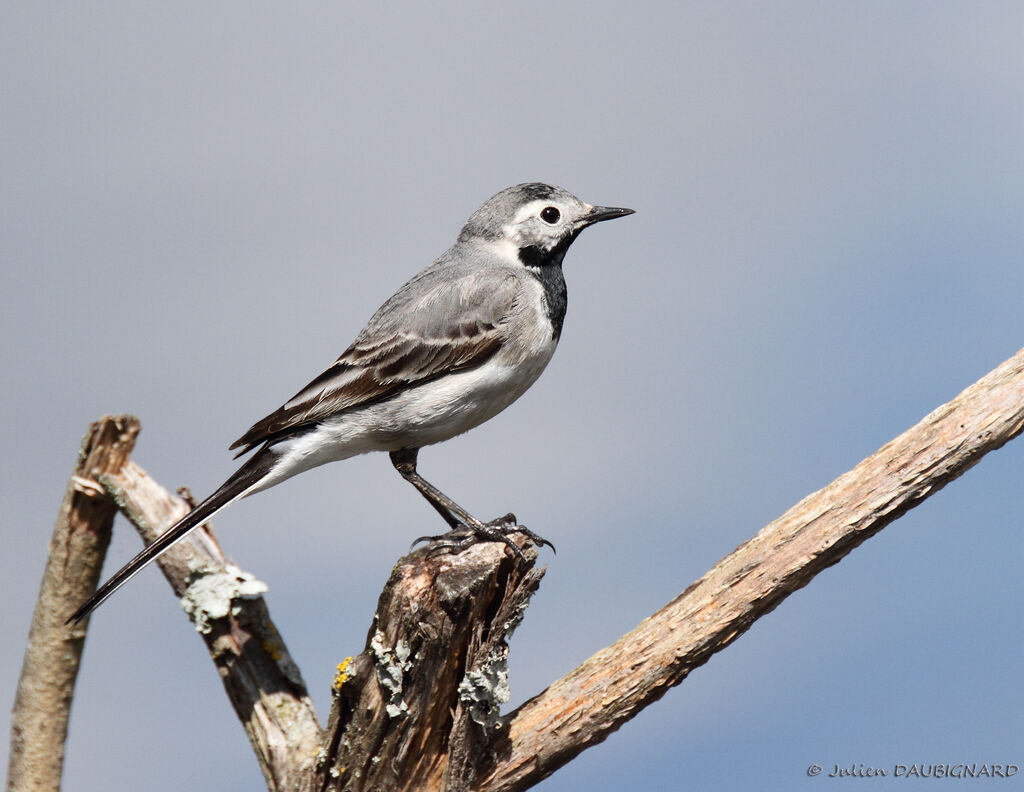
{"x": 418, "y": 708}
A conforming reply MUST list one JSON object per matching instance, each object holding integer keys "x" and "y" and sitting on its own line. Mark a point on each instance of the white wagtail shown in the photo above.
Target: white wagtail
{"x": 452, "y": 348}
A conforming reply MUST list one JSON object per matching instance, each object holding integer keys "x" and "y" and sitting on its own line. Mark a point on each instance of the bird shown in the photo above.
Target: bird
{"x": 457, "y": 344}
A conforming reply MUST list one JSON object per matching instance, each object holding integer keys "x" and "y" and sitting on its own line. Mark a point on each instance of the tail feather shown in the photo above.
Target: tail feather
{"x": 231, "y": 490}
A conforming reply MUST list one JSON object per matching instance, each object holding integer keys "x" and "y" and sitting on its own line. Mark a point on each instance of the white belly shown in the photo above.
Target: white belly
{"x": 427, "y": 414}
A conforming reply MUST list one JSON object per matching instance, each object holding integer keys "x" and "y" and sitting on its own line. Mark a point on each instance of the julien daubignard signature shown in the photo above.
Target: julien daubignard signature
{"x": 943, "y": 770}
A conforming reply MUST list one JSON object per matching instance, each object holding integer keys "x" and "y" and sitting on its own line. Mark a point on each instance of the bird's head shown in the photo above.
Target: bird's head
{"x": 534, "y": 223}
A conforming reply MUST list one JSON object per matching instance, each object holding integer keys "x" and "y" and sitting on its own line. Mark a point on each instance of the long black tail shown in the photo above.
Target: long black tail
{"x": 245, "y": 477}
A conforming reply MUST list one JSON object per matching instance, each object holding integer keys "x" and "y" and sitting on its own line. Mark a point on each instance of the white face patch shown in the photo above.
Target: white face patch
{"x": 527, "y": 227}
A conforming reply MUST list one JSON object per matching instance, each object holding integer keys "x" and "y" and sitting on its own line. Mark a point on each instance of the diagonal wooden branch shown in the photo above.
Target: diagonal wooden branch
{"x": 585, "y": 706}
{"x": 77, "y": 547}
{"x": 261, "y": 680}
{"x": 417, "y": 709}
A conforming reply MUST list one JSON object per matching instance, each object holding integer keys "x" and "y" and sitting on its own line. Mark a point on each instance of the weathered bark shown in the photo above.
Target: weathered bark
{"x": 79, "y": 542}
{"x": 417, "y": 708}
{"x": 261, "y": 679}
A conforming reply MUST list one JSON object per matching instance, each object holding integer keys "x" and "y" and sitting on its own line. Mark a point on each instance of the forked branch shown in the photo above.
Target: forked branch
{"x": 418, "y": 709}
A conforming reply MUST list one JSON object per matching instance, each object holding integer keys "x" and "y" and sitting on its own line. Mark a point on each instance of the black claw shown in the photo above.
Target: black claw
{"x": 509, "y": 525}
{"x": 460, "y": 537}
{"x": 489, "y": 533}
{"x": 423, "y": 539}
{"x": 538, "y": 540}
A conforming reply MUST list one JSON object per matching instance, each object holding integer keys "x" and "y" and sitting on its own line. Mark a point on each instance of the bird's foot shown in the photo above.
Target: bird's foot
{"x": 497, "y": 530}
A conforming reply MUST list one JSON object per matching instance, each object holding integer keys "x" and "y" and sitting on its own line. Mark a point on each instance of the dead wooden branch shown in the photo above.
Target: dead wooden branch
{"x": 261, "y": 679}
{"x": 79, "y": 542}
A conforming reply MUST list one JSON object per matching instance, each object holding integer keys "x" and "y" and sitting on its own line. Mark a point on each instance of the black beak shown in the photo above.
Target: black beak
{"x": 599, "y": 213}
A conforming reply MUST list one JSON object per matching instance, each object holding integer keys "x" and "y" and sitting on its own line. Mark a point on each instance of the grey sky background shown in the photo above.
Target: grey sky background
{"x": 201, "y": 205}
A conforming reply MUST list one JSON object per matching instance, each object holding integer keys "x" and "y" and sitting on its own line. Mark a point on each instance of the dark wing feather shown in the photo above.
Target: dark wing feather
{"x": 442, "y": 325}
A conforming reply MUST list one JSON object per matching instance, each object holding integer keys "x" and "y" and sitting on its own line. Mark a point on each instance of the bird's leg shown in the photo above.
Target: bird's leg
{"x": 465, "y": 527}
{"x": 453, "y": 514}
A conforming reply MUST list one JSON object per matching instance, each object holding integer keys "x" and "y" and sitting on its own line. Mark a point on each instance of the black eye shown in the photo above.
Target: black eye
{"x": 550, "y": 215}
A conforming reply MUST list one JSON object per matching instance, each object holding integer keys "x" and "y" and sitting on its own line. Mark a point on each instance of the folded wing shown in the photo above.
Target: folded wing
{"x": 453, "y": 324}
